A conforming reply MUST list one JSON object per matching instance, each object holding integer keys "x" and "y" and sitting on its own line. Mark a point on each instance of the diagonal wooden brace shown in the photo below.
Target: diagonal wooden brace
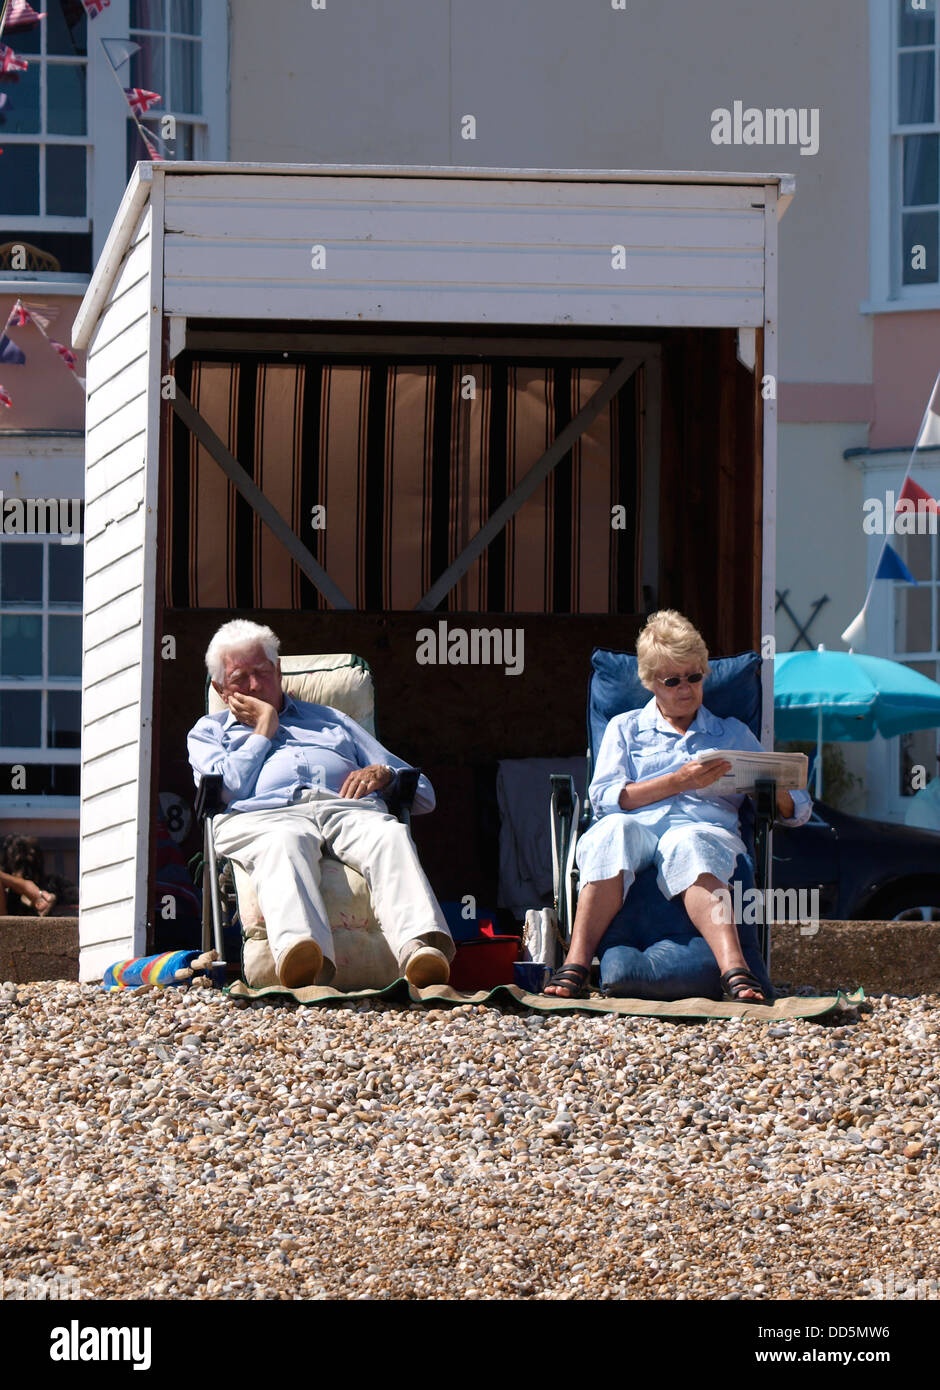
{"x": 256, "y": 499}
{"x": 524, "y": 489}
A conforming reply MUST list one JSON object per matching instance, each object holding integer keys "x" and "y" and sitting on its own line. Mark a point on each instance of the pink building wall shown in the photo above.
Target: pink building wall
{"x": 44, "y": 397}
{"x": 906, "y": 359}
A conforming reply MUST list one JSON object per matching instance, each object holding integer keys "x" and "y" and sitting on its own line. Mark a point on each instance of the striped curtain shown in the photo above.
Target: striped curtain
{"x": 407, "y": 461}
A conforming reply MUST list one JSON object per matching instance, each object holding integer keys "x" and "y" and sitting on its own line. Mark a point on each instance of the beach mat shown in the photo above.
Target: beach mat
{"x": 436, "y": 996}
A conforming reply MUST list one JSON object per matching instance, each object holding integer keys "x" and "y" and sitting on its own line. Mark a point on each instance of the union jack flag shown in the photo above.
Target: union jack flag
{"x": 20, "y": 14}
{"x": 141, "y": 100}
{"x": 5, "y": 398}
{"x": 67, "y": 356}
{"x": 9, "y": 61}
{"x": 94, "y": 7}
{"x": 42, "y": 315}
{"x": 19, "y": 316}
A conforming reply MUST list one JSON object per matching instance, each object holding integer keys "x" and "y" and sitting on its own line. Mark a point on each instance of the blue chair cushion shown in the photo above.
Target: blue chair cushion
{"x": 733, "y": 689}
{"x": 652, "y": 951}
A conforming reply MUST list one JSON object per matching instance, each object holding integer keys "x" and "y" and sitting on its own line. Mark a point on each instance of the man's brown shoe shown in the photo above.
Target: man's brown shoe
{"x": 300, "y": 964}
{"x": 427, "y": 966}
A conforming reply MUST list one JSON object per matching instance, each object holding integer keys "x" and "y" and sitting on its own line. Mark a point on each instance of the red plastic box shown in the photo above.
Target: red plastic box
{"x": 484, "y": 963}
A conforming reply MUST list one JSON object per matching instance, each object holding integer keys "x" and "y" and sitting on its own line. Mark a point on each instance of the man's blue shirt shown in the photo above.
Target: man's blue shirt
{"x": 315, "y": 746}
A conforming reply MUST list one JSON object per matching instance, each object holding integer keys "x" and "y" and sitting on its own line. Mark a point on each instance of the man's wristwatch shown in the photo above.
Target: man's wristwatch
{"x": 393, "y": 775}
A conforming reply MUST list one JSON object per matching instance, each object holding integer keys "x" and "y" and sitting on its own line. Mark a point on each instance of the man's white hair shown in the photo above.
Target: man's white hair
{"x": 237, "y": 636}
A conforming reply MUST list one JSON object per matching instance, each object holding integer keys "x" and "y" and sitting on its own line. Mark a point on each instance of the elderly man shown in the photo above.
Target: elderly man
{"x": 300, "y": 778}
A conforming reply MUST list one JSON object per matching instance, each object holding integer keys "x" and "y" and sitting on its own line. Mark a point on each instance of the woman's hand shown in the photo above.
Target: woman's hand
{"x": 785, "y": 805}
{"x": 693, "y": 775}
{"x": 43, "y": 902}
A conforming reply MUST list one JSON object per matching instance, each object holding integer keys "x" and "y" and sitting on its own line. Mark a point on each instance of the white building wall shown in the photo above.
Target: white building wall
{"x": 551, "y": 85}
{"x": 819, "y": 512}
{"x": 819, "y": 521}
{"x": 118, "y": 637}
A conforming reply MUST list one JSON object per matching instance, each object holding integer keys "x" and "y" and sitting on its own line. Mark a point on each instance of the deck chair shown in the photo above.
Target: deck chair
{"x": 364, "y": 959}
{"x": 733, "y": 688}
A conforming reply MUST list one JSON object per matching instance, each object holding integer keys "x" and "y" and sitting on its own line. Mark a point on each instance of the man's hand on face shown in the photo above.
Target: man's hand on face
{"x": 365, "y": 780}
{"x": 257, "y": 714}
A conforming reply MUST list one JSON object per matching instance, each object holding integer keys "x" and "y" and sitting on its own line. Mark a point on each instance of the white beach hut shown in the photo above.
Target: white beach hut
{"x": 668, "y": 279}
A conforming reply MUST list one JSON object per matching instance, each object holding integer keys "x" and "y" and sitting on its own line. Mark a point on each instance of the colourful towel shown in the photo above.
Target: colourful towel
{"x": 147, "y": 970}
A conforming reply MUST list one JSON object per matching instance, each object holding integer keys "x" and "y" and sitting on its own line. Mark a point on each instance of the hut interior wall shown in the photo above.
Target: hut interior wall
{"x": 710, "y": 489}
{"x": 457, "y": 721}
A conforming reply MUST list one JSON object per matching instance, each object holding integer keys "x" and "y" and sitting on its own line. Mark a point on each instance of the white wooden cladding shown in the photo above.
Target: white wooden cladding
{"x": 115, "y": 745}
{"x": 474, "y": 251}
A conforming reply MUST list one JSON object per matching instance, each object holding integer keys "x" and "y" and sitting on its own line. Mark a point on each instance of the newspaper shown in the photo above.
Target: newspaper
{"x": 788, "y": 770}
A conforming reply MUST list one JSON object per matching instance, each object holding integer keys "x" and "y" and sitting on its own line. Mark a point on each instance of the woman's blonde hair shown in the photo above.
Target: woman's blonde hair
{"x": 669, "y": 638}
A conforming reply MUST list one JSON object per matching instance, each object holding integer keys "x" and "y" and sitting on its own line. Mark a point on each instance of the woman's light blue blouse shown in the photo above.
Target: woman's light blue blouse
{"x": 640, "y": 744}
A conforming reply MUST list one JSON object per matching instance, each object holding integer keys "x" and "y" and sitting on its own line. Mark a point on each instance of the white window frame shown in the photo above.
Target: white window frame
{"x": 44, "y": 683}
{"x": 214, "y": 46}
{"x": 44, "y": 222}
{"x": 887, "y": 295}
{"x": 107, "y": 123}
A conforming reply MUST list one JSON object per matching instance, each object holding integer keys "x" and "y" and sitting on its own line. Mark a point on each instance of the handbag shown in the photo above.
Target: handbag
{"x": 541, "y": 938}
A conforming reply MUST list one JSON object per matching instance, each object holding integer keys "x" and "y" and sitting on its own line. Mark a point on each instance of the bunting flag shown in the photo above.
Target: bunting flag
{"x": 68, "y": 357}
{"x": 151, "y": 148}
{"x": 40, "y": 315}
{"x": 117, "y": 51}
{"x": 891, "y": 566}
{"x": 913, "y": 492}
{"x": 93, "y": 8}
{"x": 929, "y": 437}
{"x": 20, "y": 15}
{"x": 9, "y": 62}
{"x": 9, "y": 352}
{"x": 140, "y": 100}
{"x": 855, "y": 635}
{"x": 5, "y": 398}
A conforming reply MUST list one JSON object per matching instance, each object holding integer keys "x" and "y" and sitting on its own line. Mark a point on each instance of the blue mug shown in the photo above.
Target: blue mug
{"x": 531, "y": 976}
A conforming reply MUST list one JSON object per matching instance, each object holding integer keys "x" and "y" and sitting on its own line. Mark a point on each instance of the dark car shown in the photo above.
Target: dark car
{"x": 864, "y": 869}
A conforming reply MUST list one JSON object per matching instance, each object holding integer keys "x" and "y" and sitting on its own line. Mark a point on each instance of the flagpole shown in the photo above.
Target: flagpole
{"x": 3, "y": 16}
{"x": 907, "y": 474}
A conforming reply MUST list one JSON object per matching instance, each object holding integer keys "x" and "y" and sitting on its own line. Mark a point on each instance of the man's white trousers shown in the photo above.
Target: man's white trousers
{"x": 281, "y": 849}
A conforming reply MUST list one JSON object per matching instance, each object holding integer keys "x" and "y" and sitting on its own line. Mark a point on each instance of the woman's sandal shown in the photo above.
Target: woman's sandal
{"x": 735, "y": 982}
{"x": 571, "y": 977}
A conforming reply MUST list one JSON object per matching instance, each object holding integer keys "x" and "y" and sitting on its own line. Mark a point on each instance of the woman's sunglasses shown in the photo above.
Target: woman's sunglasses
{"x": 673, "y": 681}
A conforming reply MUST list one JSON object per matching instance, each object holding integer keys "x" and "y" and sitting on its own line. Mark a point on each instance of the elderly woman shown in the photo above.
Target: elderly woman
{"x": 653, "y": 805}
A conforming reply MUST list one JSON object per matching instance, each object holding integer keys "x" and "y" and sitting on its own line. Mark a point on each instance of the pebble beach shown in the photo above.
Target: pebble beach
{"x": 178, "y": 1145}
